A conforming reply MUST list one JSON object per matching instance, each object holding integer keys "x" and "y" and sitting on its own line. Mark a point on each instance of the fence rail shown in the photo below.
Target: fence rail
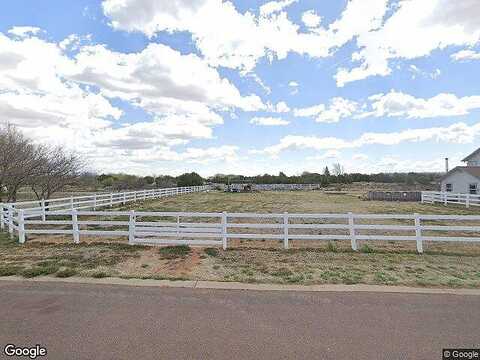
{"x": 93, "y": 201}
{"x": 450, "y": 198}
{"x": 218, "y": 229}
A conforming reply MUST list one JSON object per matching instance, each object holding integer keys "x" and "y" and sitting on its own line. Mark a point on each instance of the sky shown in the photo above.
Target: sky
{"x": 155, "y": 87}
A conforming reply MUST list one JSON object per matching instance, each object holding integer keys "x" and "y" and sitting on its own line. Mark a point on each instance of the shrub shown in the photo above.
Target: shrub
{"x": 331, "y": 247}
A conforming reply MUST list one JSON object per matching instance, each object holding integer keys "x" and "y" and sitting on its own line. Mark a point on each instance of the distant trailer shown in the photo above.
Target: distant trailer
{"x": 395, "y": 195}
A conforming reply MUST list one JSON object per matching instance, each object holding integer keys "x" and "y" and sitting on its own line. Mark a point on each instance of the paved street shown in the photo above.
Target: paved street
{"x": 78, "y": 321}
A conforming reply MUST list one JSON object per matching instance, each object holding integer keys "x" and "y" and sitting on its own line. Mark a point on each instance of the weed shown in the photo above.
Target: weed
{"x": 331, "y": 247}
{"x": 211, "y": 252}
{"x": 366, "y": 249}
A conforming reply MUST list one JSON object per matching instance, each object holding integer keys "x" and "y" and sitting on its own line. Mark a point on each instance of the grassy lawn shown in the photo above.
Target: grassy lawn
{"x": 321, "y": 262}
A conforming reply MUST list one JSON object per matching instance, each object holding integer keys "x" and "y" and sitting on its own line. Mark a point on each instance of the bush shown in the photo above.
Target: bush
{"x": 331, "y": 247}
{"x": 10, "y": 270}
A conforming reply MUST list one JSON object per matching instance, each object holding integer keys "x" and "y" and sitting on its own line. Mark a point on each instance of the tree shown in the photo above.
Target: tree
{"x": 58, "y": 169}
{"x": 326, "y": 172}
{"x": 189, "y": 179}
{"x": 338, "y": 169}
{"x": 20, "y": 161}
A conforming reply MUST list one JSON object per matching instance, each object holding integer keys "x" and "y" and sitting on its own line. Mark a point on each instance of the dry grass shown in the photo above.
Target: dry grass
{"x": 315, "y": 262}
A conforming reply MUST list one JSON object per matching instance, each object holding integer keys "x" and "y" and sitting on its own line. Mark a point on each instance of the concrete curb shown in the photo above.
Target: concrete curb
{"x": 218, "y": 285}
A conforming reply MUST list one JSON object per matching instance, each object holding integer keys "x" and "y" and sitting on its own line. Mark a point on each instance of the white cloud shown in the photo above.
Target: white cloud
{"x": 404, "y": 105}
{"x": 414, "y": 30}
{"x": 328, "y": 155}
{"x": 280, "y": 107}
{"x": 337, "y": 109}
{"x": 269, "y": 121}
{"x": 360, "y": 157}
{"x": 60, "y": 98}
{"x": 24, "y": 31}
{"x": 465, "y": 55}
{"x": 460, "y": 133}
{"x": 293, "y": 84}
{"x": 238, "y": 40}
{"x": 311, "y": 19}
{"x": 275, "y": 6}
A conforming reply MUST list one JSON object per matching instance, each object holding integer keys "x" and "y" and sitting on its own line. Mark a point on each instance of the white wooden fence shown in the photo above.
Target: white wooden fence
{"x": 93, "y": 201}
{"x": 217, "y": 229}
{"x": 450, "y": 198}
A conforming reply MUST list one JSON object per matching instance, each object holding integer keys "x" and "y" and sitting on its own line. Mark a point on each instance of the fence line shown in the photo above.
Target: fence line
{"x": 450, "y": 198}
{"x": 217, "y": 229}
{"x": 94, "y": 201}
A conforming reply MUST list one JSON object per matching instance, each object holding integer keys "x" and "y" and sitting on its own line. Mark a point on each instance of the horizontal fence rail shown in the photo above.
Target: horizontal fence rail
{"x": 93, "y": 201}
{"x": 450, "y": 198}
{"x": 218, "y": 229}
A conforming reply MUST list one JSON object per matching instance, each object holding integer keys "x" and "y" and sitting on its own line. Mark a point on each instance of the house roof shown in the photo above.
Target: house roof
{"x": 472, "y": 170}
{"x": 476, "y": 152}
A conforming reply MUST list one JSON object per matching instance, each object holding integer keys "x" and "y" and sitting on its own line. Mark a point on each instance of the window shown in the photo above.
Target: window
{"x": 449, "y": 187}
{"x": 473, "y": 189}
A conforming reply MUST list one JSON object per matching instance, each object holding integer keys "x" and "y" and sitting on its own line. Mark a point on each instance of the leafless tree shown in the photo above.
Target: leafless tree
{"x": 58, "y": 170}
{"x": 20, "y": 161}
{"x": 338, "y": 169}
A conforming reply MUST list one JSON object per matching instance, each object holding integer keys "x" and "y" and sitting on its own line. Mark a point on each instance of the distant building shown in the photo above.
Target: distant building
{"x": 464, "y": 179}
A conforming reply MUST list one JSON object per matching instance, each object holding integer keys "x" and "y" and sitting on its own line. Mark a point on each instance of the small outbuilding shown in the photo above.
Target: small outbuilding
{"x": 464, "y": 179}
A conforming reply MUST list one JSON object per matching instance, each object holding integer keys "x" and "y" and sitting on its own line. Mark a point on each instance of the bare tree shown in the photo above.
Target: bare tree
{"x": 58, "y": 169}
{"x": 338, "y": 169}
{"x": 20, "y": 161}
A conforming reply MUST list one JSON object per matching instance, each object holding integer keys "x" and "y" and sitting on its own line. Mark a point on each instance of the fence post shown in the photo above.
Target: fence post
{"x": 124, "y": 199}
{"x": 285, "y": 230}
{"x": 71, "y": 202}
{"x": 467, "y": 203}
{"x": 131, "y": 228}
{"x": 44, "y": 215}
{"x": 445, "y": 199}
{"x": 10, "y": 220}
{"x": 224, "y": 230}
{"x": 178, "y": 226}
{"x": 111, "y": 199}
{"x": 94, "y": 202}
{"x": 351, "y": 225}
{"x": 2, "y": 217}
{"x": 144, "y": 195}
{"x": 76, "y": 233}
{"x": 418, "y": 233}
{"x": 135, "y": 196}
{"x": 21, "y": 227}
{"x": 422, "y": 200}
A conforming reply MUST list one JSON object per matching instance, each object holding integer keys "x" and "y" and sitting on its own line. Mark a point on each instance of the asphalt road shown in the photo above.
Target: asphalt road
{"x": 78, "y": 321}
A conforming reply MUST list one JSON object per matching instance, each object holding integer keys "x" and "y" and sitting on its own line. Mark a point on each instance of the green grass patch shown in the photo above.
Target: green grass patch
{"x": 174, "y": 252}
{"x": 366, "y": 249}
{"x": 99, "y": 274}
{"x": 65, "y": 273}
{"x": 212, "y": 252}
{"x": 10, "y": 270}
{"x": 39, "y": 271}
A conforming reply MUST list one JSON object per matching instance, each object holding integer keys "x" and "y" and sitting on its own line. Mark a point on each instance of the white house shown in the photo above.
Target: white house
{"x": 464, "y": 179}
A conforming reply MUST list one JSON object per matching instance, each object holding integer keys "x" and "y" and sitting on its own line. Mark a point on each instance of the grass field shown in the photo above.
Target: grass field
{"x": 393, "y": 263}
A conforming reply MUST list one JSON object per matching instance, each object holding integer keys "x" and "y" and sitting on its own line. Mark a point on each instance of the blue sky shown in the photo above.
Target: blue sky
{"x": 155, "y": 87}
